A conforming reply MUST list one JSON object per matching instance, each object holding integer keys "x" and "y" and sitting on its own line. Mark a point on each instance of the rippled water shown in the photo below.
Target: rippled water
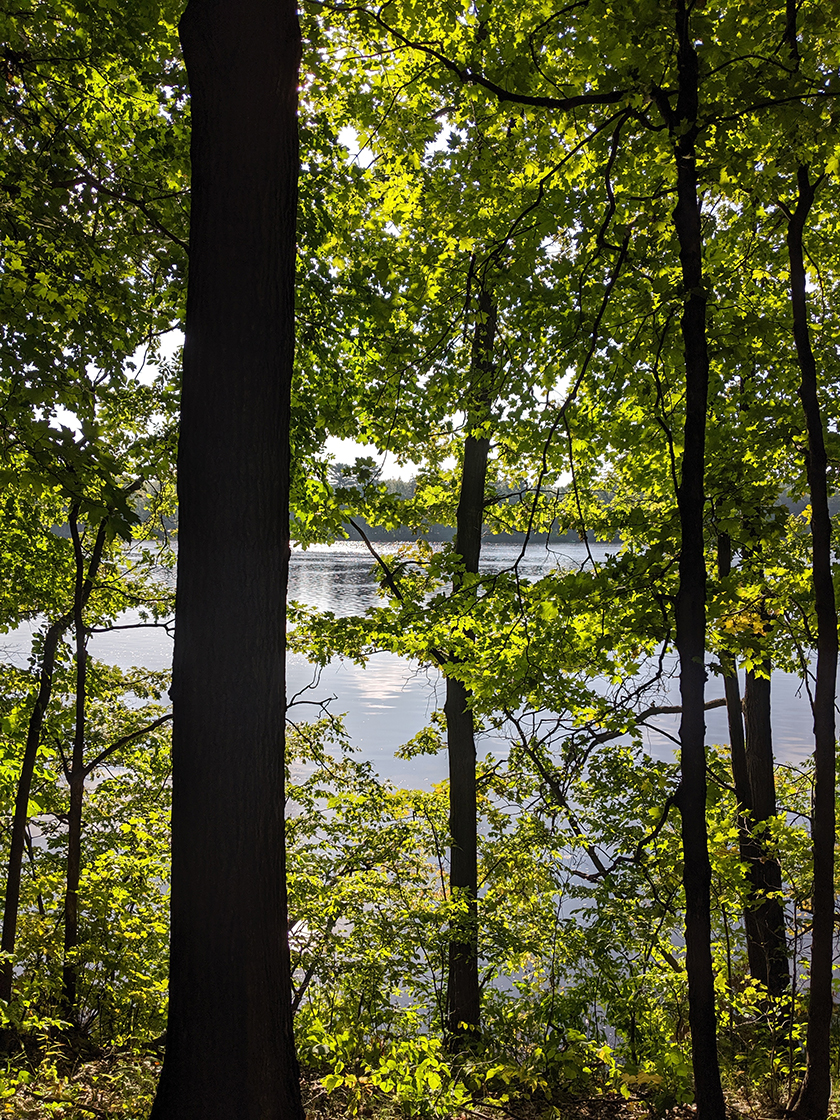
{"x": 391, "y": 699}
{"x": 343, "y": 577}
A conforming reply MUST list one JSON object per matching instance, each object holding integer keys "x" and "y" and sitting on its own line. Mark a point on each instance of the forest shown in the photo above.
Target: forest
{"x": 573, "y": 267}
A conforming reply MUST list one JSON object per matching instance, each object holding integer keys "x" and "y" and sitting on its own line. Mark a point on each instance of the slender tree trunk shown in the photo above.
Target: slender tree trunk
{"x": 463, "y": 994}
{"x": 27, "y": 770}
{"x": 734, "y": 713}
{"x": 764, "y": 925}
{"x": 755, "y": 790}
{"x": 71, "y": 897}
{"x": 24, "y": 788}
{"x": 691, "y": 598}
{"x": 77, "y": 790}
{"x": 766, "y": 937}
{"x": 230, "y": 1046}
{"x": 747, "y": 847}
{"x": 812, "y": 1100}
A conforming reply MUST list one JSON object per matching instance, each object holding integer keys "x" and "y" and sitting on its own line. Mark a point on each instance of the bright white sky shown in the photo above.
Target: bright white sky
{"x": 347, "y": 451}
{"x": 340, "y": 450}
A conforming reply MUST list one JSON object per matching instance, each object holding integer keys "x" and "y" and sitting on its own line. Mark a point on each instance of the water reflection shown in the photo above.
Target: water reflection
{"x": 392, "y": 699}
{"x": 336, "y": 578}
{"x": 384, "y": 704}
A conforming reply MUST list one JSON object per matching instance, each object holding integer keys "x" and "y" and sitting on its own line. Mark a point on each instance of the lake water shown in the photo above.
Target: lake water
{"x": 391, "y": 699}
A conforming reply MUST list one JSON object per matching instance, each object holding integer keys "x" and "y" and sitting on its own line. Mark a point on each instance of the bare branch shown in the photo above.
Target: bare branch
{"x": 121, "y": 742}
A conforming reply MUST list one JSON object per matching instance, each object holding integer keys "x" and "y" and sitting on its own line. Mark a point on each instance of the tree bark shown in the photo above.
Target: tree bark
{"x": 76, "y": 780}
{"x": 230, "y": 1046}
{"x": 766, "y": 937}
{"x": 27, "y": 770}
{"x": 691, "y": 597}
{"x": 734, "y": 712}
{"x": 812, "y": 1100}
{"x": 71, "y": 895}
{"x": 755, "y": 790}
{"x": 463, "y": 993}
{"x": 748, "y": 849}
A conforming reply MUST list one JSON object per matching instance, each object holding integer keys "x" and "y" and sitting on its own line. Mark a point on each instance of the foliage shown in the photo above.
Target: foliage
{"x": 571, "y": 959}
{"x": 520, "y": 151}
{"x": 119, "y": 1084}
{"x": 123, "y": 899}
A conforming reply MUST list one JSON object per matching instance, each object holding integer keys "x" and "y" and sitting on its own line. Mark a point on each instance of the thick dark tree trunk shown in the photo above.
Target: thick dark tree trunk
{"x": 230, "y": 1047}
{"x": 765, "y": 918}
{"x": 691, "y": 598}
{"x": 27, "y": 770}
{"x": 463, "y": 993}
{"x": 812, "y": 1100}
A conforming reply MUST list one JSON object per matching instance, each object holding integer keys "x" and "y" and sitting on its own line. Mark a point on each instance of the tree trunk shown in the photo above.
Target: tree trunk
{"x": 734, "y": 713}
{"x": 748, "y": 849}
{"x": 27, "y": 770}
{"x": 766, "y": 937}
{"x": 812, "y": 1100}
{"x": 691, "y": 598}
{"x": 24, "y": 788}
{"x": 463, "y": 994}
{"x": 230, "y": 1046}
{"x": 71, "y": 897}
{"x": 76, "y": 780}
{"x": 755, "y": 790}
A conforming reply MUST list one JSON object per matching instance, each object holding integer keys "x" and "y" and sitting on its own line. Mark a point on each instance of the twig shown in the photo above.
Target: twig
{"x": 438, "y": 654}
{"x": 95, "y": 1110}
{"x": 389, "y": 577}
{"x": 121, "y": 742}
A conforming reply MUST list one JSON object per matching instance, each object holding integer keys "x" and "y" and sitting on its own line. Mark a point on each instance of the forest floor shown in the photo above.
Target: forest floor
{"x": 121, "y": 1087}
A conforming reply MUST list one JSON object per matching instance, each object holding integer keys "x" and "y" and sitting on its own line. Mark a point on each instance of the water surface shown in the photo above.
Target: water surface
{"x": 390, "y": 699}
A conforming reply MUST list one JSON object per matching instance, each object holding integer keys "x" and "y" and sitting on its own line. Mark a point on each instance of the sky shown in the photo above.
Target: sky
{"x": 340, "y": 450}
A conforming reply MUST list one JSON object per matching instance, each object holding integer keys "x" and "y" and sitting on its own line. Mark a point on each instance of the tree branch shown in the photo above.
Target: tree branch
{"x": 121, "y": 742}
{"x": 473, "y": 77}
